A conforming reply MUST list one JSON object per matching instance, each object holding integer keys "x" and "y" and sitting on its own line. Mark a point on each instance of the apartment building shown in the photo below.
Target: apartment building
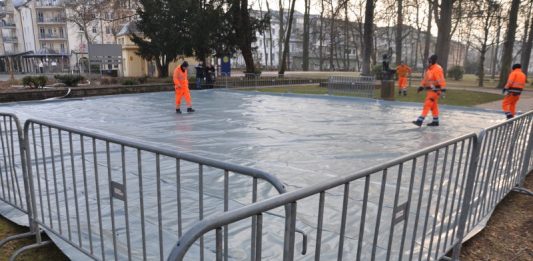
{"x": 37, "y": 35}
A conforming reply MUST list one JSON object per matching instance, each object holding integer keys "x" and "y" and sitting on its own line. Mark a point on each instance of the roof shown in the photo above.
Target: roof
{"x": 129, "y": 28}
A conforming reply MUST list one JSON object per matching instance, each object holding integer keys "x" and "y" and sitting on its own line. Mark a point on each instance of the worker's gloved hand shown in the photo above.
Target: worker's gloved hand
{"x": 419, "y": 89}
{"x": 504, "y": 90}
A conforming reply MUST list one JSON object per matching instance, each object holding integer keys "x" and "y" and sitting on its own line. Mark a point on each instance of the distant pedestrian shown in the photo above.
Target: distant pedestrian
{"x": 403, "y": 71}
{"x": 200, "y": 75}
{"x": 41, "y": 67}
{"x": 181, "y": 87}
{"x": 514, "y": 87}
{"x": 210, "y": 75}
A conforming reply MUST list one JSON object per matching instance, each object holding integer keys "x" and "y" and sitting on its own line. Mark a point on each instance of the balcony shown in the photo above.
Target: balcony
{"x": 43, "y": 4}
{"x": 51, "y": 20}
{"x": 5, "y": 10}
{"x": 10, "y": 39}
{"x": 52, "y": 37}
{"x": 8, "y": 25}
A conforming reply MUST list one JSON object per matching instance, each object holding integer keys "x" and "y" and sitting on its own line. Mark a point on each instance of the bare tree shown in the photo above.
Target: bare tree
{"x": 399, "y": 31}
{"x": 527, "y": 43}
{"x": 487, "y": 11}
{"x": 507, "y": 57}
{"x": 427, "y": 41}
{"x": 85, "y": 14}
{"x": 305, "y": 54}
{"x": 283, "y": 66}
{"x": 281, "y": 32}
{"x": 497, "y": 43}
{"x": 271, "y": 41}
{"x": 368, "y": 36}
{"x": 321, "y": 37}
{"x": 443, "y": 18}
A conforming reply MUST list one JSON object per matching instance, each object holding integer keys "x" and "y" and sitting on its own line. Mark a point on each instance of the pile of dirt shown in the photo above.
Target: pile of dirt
{"x": 509, "y": 232}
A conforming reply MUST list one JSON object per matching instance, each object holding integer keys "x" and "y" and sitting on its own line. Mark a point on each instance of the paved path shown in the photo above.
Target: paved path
{"x": 525, "y": 104}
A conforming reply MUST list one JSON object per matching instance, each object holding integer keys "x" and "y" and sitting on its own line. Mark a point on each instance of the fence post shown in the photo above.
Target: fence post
{"x": 290, "y": 230}
{"x": 467, "y": 197}
{"x": 527, "y": 158}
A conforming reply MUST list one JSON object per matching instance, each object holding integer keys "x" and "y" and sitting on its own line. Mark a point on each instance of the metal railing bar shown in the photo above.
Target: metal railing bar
{"x": 111, "y": 204}
{"x": 159, "y": 208}
{"x": 63, "y": 175}
{"x": 380, "y": 209}
{"x": 408, "y": 209}
{"x": 320, "y": 222}
{"x": 178, "y": 195}
{"x": 97, "y": 187}
{"x": 126, "y": 206}
{"x": 54, "y": 176}
{"x": 201, "y": 205}
{"x": 445, "y": 217}
{"x": 169, "y": 152}
{"x": 75, "y": 188}
{"x": 437, "y": 206}
{"x": 45, "y": 170}
{"x": 13, "y": 165}
{"x": 418, "y": 207}
{"x": 428, "y": 209}
{"x": 5, "y": 167}
{"x": 87, "y": 208}
{"x": 143, "y": 229}
{"x": 394, "y": 206}
{"x": 259, "y": 235}
{"x": 343, "y": 220}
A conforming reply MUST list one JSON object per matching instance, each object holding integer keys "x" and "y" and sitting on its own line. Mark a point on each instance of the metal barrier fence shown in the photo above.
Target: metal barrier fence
{"x": 110, "y": 197}
{"x": 505, "y": 160}
{"x": 361, "y": 86}
{"x": 262, "y": 82}
{"x": 446, "y": 194}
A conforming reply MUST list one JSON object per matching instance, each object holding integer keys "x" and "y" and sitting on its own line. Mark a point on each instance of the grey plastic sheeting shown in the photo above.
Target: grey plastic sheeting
{"x": 301, "y": 139}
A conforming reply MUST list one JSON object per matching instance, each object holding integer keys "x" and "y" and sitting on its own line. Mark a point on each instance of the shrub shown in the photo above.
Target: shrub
{"x": 104, "y": 81}
{"x": 130, "y": 82}
{"x": 377, "y": 71}
{"x": 142, "y": 80}
{"x": 456, "y": 72}
{"x": 34, "y": 81}
{"x": 69, "y": 80}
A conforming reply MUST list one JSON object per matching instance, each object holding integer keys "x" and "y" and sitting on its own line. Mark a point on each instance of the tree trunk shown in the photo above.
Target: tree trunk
{"x": 368, "y": 36}
{"x": 331, "y": 38}
{"x": 427, "y": 44}
{"x": 496, "y": 49}
{"x": 287, "y": 41}
{"x": 507, "y": 57}
{"x": 526, "y": 54}
{"x": 305, "y": 53}
{"x": 399, "y": 31}
{"x": 246, "y": 41}
{"x": 467, "y": 47}
{"x": 271, "y": 40}
{"x": 418, "y": 33}
{"x": 281, "y": 33}
{"x": 345, "y": 51}
{"x": 321, "y": 33}
{"x": 444, "y": 37}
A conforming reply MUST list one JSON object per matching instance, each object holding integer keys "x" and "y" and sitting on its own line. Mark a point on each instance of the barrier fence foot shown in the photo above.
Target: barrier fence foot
{"x": 523, "y": 191}
{"x": 16, "y": 237}
{"x": 28, "y": 247}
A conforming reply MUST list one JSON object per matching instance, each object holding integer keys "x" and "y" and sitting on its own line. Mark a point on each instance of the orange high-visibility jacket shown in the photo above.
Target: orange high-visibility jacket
{"x": 403, "y": 70}
{"x": 180, "y": 78}
{"x": 434, "y": 76}
{"x": 517, "y": 81}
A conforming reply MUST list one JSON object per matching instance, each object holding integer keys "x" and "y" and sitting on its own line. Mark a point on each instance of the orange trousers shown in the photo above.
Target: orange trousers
{"x": 509, "y": 103}
{"x": 431, "y": 103}
{"x": 180, "y": 93}
{"x": 402, "y": 83}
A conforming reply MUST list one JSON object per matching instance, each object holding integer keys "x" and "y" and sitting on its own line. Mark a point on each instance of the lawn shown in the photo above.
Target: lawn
{"x": 453, "y": 97}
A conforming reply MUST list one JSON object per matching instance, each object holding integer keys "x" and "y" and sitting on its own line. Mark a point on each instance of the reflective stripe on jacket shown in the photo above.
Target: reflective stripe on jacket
{"x": 516, "y": 81}
{"x": 434, "y": 76}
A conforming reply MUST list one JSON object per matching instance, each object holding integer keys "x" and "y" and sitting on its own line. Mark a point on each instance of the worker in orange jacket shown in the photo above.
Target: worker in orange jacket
{"x": 181, "y": 87}
{"x": 403, "y": 71}
{"x": 435, "y": 85}
{"x": 514, "y": 87}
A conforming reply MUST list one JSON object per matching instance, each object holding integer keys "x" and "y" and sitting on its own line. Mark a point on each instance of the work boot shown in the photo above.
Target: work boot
{"x": 178, "y": 111}
{"x": 509, "y": 116}
{"x": 434, "y": 124}
{"x": 190, "y": 109}
{"x": 404, "y": 93}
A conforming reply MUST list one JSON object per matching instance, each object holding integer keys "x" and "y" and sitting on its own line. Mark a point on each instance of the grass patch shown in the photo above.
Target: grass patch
{"x": 7, "y": 228}
{"x": 453, "y": 97}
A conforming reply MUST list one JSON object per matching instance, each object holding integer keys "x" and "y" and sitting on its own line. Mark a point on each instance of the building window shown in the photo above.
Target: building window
{"x": 62, "y": 48}
{"x": 107, "y": 30}
{"x": 61, "y": 33}
{"x": 94, "y": 29}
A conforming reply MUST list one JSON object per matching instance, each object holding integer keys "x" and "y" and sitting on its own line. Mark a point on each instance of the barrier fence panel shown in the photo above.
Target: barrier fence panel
{"x": 407, "y": 209}
{"x": 113, "y": 198}
{"x": 12, "y": 164}
{"x": 361, "y": 86}
{"x": 262, "y": 82}
{"x": 504, "y": 162}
